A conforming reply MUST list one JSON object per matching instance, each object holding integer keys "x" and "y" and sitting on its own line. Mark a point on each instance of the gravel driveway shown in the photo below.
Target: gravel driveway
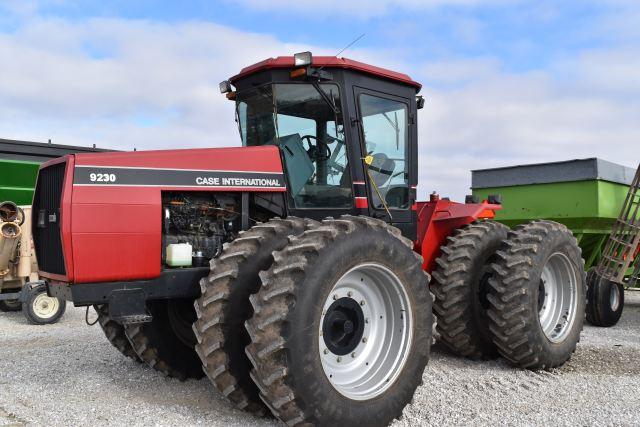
{"x": 68, "y": 374}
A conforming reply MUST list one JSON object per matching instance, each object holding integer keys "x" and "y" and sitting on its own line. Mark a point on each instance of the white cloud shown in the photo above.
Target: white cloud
{"x": 88, "y": 82}
{"x": 501, "y": 119}
{"x": 123, "y": 84}
{"x": 362, "y": 9}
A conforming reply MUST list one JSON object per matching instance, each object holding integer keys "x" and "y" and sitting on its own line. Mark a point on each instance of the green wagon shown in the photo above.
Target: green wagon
{"x": 586, "y": 195}
{"x": 17, "y": 180}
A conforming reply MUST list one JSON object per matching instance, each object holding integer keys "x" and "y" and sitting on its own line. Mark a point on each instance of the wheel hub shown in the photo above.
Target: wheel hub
{"x": 365, "y": 331}
{"x": 45, "y": 306}
{"x": 343, "y": 326}
{"x": 557, "y": 297}
{"x": 614, "y": 297}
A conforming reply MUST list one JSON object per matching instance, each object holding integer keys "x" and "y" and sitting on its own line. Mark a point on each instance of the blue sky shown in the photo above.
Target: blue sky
{"x": 506, "y": 81}
{"x": 525, "y": 35}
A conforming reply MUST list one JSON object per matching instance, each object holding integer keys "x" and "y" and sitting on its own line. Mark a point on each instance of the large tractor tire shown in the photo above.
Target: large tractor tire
{"x": 115, "y": 333}
{"x": 9, "y": 305}
{"x": 167, "y": 342}
{"x": 341, "y": 330}
{"x": 537, "y": 295}
{"x": 605, "y": 300}
{"x": 224, "y": 307}
{"x": 460, "y": 287}
{"x": 41, "y": 309}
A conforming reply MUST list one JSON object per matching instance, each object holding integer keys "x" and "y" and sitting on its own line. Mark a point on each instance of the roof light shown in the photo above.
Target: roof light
{"x": 302, "y": 59}
{"x": 225, "y": 86}
{"x": 299, "y": 72}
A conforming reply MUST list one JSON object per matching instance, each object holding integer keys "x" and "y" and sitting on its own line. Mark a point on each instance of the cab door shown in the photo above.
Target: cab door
{"x": 385, "y": 133}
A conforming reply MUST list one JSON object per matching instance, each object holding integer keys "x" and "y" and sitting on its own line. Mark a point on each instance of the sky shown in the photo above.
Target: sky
{"x": 506, "y": 81}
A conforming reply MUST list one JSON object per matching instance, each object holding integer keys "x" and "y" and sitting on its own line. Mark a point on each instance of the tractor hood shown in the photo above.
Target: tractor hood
{"x": 98, "y": 217}
{"x": 229, "y": 169}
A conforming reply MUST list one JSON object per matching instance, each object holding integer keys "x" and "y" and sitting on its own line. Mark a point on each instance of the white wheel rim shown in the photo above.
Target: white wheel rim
{"x": 557, "y": 300}
{"x": 381, "y": 350}
{"x": 614, "y": 297}
{"x": 44, "y": 306}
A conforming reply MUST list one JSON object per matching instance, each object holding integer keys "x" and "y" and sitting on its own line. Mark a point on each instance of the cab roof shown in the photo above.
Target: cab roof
{"x": 328, "y": 62}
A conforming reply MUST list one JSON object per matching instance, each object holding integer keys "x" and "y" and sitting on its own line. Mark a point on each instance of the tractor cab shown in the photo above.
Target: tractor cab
{"x": 347, "y": 134}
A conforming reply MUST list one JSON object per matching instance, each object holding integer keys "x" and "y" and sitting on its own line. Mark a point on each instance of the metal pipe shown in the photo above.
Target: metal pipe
{"x": 27, "y": 265}
{"x": 8, "y": 211}
{"x": 9, "y": 237}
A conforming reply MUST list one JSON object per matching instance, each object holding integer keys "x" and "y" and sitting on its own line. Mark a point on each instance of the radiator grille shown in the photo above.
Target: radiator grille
{"x": 46, "y": 219}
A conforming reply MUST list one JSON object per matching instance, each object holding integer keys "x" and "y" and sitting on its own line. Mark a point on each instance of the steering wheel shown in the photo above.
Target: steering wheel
{"x": 318, "y": 151}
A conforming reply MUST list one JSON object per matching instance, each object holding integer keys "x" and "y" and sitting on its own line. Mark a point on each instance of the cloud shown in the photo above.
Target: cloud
{"x": 90, "y": 81}
{"x": 362, "y": 9}
{"x": 123, "y": 83}
{"x": 501, "y": 119}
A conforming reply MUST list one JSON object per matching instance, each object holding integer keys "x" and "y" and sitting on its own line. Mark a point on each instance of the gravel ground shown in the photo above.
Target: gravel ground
{"x": 68, "y": 374}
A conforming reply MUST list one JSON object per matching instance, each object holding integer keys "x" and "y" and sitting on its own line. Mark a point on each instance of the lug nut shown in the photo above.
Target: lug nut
{"x": 366, "y": 320}
{"x": 326, "y": 351}
{"x": 349, "y": 294}
{"x": 364, "y": 339}
{"x": 362, "y": 302}
{"x": 339, "y": 359}
{"x": 353, "y": 354}
{"x": 335, "y": 296}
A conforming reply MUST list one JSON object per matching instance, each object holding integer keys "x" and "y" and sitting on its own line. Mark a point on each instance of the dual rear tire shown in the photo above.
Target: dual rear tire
{"x": 338, "y": 321}
{"x": 341, "y": 330}
{"x": 519, "y": 294}
{"x": 460, "y": 285}
{"x": 537, "y": 295}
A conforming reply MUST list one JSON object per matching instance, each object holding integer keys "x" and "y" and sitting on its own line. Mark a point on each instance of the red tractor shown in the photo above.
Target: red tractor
{"x": 294, "y": 271}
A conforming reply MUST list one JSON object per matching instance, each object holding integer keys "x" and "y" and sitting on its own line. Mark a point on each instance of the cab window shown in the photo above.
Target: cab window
{"x": 305, "y": 121}
{"x": 385, "y": 128}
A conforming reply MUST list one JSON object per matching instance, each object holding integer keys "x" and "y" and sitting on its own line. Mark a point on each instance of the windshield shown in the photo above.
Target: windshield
{"x": 305, "y": 122}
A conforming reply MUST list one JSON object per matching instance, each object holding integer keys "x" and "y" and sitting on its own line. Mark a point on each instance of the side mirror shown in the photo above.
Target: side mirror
{"x": 420, "y": 102}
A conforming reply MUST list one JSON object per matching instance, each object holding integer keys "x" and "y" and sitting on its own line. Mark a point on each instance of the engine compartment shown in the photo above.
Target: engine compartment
{"x": 205, "y": 220}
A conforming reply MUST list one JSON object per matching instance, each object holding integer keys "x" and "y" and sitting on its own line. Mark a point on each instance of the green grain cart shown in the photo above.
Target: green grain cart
{"x": 17, "y": 180}
{"x": 586, "y": 195}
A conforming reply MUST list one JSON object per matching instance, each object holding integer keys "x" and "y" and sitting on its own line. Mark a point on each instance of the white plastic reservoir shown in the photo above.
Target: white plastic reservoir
{"x": 179, "y": 255}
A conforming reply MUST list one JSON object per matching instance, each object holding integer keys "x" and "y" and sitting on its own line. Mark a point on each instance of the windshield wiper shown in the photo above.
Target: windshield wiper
{"x": 326, "y": 98}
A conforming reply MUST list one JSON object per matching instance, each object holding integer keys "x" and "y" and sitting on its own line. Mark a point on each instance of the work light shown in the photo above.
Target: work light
{"x": 225, "y": 86}
{"x": 302, "y": 59}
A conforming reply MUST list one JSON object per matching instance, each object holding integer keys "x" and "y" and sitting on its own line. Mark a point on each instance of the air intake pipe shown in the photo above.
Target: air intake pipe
{"x": 9, "y": 237}
{"x": 9, "y": 211}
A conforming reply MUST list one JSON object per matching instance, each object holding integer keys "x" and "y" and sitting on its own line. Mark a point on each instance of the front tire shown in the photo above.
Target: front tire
{"x": 341, "y": 329}
{"x": 115, "y": 333}
{"x": 605, "y": 300}
{"x": 224, "y": 307}
{"x": 167, "y": 342}
{"x": 537, "y": 295}
{"x": 41, "y": 309}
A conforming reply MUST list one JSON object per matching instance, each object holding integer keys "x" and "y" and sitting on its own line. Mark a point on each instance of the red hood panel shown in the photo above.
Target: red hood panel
{"x": 231, "y": 169}
{"x": 258, "y": 159}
